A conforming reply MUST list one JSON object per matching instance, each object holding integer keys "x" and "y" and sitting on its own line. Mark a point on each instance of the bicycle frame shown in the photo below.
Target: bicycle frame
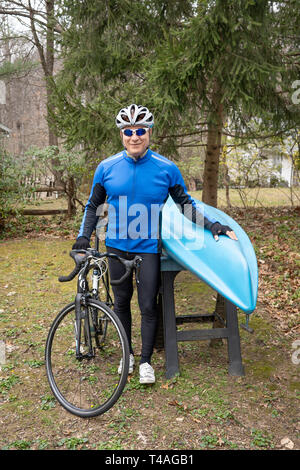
{"x": 83, "y": 292}
{"x": 82, "y": 314}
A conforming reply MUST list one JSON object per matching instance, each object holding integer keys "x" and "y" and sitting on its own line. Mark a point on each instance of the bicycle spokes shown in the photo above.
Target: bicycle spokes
{"x": 83, "y": 376}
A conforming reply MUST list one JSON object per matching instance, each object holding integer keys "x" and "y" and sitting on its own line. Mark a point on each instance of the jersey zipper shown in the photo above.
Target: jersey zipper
{"x": 132, "y": 198}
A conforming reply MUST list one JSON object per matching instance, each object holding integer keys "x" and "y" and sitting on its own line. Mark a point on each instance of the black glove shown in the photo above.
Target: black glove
{"x": 219, "y": 229}
{"x": 81, "y": 243}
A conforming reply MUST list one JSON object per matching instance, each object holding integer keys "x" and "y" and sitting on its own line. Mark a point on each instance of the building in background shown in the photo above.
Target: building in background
{"x": 23, "y": 111}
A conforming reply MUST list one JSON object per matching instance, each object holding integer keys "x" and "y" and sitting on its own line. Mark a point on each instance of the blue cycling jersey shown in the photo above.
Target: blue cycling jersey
{"x": 135, "y": 191}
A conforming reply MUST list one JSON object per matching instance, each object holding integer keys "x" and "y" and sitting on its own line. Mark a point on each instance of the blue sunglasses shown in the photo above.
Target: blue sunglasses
{"x": 138, "y": 132}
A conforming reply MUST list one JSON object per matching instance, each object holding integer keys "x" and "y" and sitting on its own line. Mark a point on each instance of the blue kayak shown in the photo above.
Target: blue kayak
{"x": 228, "y": 266}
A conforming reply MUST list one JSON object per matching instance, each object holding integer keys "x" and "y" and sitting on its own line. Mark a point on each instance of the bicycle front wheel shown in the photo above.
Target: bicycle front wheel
{"x": 88, "y": 384}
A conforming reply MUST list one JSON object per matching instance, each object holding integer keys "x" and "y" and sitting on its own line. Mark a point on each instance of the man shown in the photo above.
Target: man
{"x": 138, "y": 180}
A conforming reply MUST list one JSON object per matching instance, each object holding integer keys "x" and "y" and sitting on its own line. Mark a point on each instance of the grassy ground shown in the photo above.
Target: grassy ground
{"x": 203, "y": 408}
{"x": 257, "y": 197}
{"x": 245, "y": 197}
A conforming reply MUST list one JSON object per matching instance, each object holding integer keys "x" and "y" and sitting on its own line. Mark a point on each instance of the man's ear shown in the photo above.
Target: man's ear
{"x": 121, "y": 135}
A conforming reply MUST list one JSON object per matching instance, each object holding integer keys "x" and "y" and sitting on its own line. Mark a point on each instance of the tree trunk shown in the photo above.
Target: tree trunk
{"x": 49, "y": 70}
{"x": 47, "y": 61}
{"x": 226, "y": 180}
{"x": 210, "y": 181}
{"x": 192, "y": 184}
{"x": 71, "y": 197}
{"x": 53, "y": 141}
{"x": 213, "y": 149}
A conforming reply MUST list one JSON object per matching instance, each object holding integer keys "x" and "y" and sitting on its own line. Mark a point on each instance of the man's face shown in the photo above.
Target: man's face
{"x": 136, "y": 145}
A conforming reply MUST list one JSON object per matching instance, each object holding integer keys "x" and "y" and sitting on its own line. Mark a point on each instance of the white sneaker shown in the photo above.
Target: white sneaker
{"x": 131, "y": 365}
{"x": 146, "y": 374}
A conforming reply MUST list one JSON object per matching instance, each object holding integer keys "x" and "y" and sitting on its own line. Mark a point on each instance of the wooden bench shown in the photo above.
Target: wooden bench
{"x": 224, "y": 320}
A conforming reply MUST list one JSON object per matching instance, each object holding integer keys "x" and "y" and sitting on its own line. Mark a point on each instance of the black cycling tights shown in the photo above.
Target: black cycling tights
{"x": 147, "y": 291}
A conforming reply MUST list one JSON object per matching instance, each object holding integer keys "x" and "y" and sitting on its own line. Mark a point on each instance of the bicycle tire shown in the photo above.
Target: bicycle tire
{"x": 99, "y": 326}
{"x": 62, "y": 367}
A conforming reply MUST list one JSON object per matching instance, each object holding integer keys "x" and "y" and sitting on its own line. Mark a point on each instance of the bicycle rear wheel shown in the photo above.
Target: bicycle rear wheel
{"x": 100, "y": 326}
{"x": 90, "y": 385}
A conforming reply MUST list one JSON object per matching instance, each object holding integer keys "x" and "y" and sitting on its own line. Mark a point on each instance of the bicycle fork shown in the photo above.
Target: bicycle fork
{"x": 81, "y": 314}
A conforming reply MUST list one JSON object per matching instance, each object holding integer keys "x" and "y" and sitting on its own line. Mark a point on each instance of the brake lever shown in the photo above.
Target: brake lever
{"x": 78, "y": 257}
{"x": 137, "y": 264}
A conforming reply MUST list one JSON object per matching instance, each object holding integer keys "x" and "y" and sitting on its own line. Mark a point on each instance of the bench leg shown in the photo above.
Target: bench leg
{"x": 159, "y": 336}
{"x": 170, "y": 333}
{"x": 233, "y": 341}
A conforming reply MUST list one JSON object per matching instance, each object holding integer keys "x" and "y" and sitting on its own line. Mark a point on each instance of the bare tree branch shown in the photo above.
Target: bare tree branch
{"x": 26, "y": 13}
{"x": 36, "y": 40}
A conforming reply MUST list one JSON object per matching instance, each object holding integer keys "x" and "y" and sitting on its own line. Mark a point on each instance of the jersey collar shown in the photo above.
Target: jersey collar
{"x": 142, "y": 159}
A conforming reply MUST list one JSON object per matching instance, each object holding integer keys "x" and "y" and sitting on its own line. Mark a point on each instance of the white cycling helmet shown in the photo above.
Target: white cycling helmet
{"x": 134, "y": 115}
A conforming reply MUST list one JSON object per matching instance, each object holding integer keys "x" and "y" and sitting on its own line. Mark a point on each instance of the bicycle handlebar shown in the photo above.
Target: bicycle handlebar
{"x": 80, "y": 260}
{"x": 78, "y": 263}
{"x": 128, "y": 264}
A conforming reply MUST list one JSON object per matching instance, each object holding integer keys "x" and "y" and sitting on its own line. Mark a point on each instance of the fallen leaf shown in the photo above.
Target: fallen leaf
{"x": 196, "y": 420}
{"x": 174, "y": 403}
{"x": 141, "y": 437}
{"x": 286, "y": 442}
{"x": 166, "y": 386}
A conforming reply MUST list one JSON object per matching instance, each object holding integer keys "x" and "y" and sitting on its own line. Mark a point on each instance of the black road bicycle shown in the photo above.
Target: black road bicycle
{"x": 87, "y": 351}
